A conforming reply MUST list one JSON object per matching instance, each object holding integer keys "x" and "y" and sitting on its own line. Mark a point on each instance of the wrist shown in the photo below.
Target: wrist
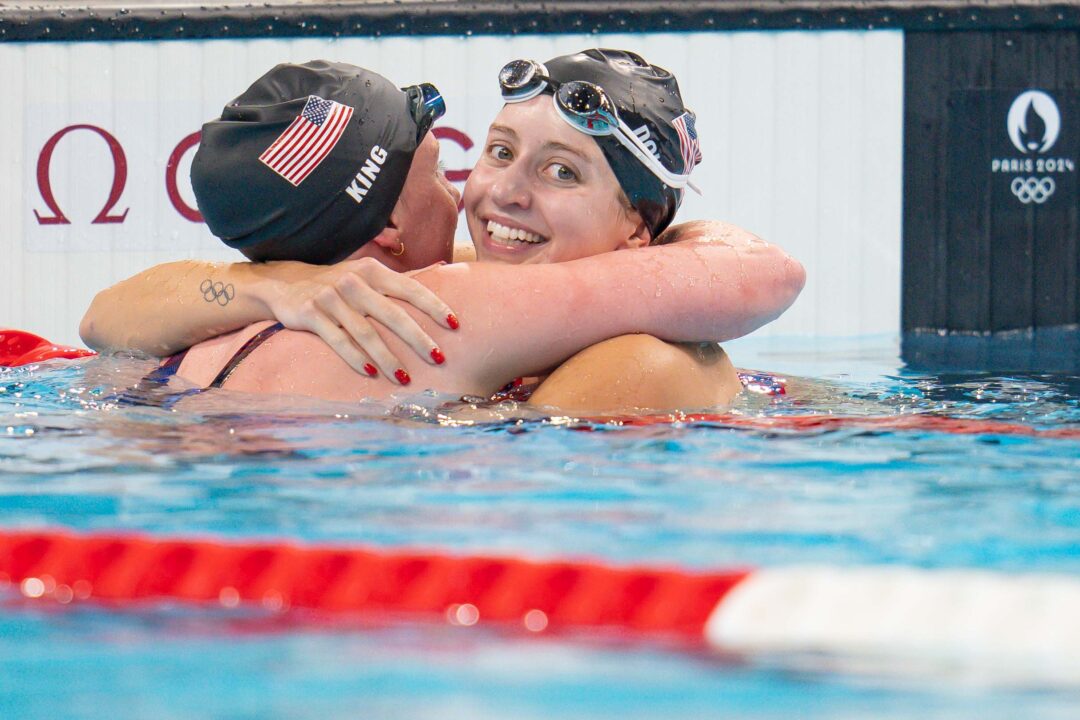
{"x": 267, "y": 283}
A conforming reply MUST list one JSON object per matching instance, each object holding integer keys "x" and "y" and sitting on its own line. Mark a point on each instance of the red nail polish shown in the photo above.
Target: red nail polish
{"x": 452, "y": 321}
{"x": 370, "y": 370}
{"x": 437, "y": 356}
{"x": 402, "y": 376}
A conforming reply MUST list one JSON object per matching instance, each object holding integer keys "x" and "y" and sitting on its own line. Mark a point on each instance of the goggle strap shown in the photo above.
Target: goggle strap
{"x": 631, "y": 142}
{"x": 620, "y": 130}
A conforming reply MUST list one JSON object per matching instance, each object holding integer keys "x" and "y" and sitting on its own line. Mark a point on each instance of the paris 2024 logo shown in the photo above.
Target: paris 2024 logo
{"x": 1033, "y": 124}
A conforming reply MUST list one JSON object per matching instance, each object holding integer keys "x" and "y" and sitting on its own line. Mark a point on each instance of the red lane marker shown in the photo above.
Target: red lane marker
{"x": 935, "y": 423}
{"x": 131, "y": 567}
{"x": 18, "y": 347}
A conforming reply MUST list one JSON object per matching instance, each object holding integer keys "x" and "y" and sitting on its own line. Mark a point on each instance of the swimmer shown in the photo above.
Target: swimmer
{"x": 517, "y": 321}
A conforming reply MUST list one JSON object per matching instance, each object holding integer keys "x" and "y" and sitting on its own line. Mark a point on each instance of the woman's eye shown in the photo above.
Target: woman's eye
{"x": 500, "y": 152}
{"x": 562, "y": 172}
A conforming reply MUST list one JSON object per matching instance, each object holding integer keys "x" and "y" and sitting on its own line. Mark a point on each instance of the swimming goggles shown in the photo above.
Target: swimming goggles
{"x": 587, "y": 108}
{"x": 426, "y": 105}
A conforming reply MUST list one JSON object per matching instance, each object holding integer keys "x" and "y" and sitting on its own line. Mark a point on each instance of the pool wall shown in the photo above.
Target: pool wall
{"x": 837, "y": 130}
{"x": 992, "y": 143}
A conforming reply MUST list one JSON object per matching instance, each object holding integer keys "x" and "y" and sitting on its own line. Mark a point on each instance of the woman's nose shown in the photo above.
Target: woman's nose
{"x": 511, "y": 187}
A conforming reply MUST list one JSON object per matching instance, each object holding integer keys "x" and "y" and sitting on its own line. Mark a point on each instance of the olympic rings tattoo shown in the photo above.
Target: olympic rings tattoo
{"x": 217, "y": 292}
{"x": 1033, "y": 190}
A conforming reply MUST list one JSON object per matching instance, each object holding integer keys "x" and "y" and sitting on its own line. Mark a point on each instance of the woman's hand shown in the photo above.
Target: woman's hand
{"x": 337, "y": 303}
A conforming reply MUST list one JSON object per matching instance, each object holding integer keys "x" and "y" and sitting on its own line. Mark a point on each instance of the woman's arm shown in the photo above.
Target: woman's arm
{"x": 524, "y": 320}
{"x": 639, "y": 372}
{"x": 173, "y": 306}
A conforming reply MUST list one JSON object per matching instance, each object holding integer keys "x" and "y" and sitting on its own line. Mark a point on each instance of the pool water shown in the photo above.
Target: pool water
{"x": 421, "y": 474}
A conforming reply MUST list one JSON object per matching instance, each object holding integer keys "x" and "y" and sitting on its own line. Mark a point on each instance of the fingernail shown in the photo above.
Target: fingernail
{"x": 370, "y": 370}
{"x": 402, "y": 376}
{"x": 437, "y": 356}
{"x": 452, "y": 321}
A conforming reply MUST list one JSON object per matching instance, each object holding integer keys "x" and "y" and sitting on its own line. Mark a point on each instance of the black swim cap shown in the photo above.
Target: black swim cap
{"x": 308, "y": 163}
{"x": 648, "y": 100}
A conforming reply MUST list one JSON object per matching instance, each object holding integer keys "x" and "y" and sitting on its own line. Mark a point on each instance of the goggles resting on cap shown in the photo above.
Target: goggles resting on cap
{"x": 426, "y": 105}
{"x": 587, "y": 108}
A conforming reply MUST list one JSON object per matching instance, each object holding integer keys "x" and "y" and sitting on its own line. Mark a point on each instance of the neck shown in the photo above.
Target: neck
{"x": 377, "y": 252}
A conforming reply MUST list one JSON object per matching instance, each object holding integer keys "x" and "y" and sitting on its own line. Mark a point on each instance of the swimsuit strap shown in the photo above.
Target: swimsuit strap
{"x": 515, "y": 390}
{"x": 246, "y": 349}
{"x": 163, "y": 372}
{"x": 159, "y": 375}
{"x": 763, "y": 383}
{"x": 146, "y": 392}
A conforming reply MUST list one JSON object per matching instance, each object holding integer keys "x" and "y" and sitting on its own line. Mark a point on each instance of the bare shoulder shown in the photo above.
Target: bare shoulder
{"x": 710, "y": 231}
{"x": 206, "y": 359}
{"x": 299, "y": 363}
{"x": 640, "y": 372}
{"x": 464, "y": 253}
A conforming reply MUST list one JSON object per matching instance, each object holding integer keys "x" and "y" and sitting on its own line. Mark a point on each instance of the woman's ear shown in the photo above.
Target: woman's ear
{"x": 390, "y": 236}
{"x": 640, "y": 235}
{"x": 389, "y": 239}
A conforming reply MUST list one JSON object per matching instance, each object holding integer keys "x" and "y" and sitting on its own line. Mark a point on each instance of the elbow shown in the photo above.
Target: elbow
{"x": 788, "y": 277}
{"x": 88, "y": 330}
{"x": 788, "y": 282}
{"x": 793, "y": 280}
{"x": 772, "y": 294}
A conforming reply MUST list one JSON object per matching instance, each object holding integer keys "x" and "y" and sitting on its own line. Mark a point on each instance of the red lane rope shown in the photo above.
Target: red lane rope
{"x": 126, "y": 567}
{"x": 18, "y": 347}
{"x": 934, "y": 423}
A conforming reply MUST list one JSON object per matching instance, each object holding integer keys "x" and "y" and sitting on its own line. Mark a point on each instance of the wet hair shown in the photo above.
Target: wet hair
{"x": 649, "y": 101}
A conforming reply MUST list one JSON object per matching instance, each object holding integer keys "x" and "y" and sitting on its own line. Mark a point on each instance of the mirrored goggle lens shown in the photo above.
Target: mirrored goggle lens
{"x": 426, "y": 105}
{"x": 588, "y": 104}
{"x": 518, "y": 74}
{"x": 432, "y": 100}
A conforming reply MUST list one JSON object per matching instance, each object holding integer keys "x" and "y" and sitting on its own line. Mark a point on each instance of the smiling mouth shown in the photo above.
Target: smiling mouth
{"x": 513, "y": 236}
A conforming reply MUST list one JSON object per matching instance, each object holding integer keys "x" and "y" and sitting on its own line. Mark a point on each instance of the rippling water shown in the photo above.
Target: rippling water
{"x": 425, "y": 474}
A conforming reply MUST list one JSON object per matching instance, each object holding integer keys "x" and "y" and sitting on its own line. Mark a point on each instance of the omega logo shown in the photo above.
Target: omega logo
{"x": 45, "y": 184}
{"x": 54, "y": 215}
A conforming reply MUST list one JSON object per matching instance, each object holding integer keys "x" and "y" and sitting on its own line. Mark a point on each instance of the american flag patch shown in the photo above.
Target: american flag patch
{"x": 308, "y": 140}
{"x": 688, "y": 141}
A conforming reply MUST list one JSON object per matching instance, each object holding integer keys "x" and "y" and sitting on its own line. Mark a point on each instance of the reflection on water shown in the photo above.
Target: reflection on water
{"x": 427, "y": 471}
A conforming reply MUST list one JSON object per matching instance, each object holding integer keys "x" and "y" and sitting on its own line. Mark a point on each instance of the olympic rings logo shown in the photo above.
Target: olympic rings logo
{"x": 217, "y": 292}
{"x": 1033, "y": 190}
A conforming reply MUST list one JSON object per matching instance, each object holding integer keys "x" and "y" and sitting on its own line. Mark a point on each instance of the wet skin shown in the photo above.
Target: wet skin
{"x": 542, "y": 191}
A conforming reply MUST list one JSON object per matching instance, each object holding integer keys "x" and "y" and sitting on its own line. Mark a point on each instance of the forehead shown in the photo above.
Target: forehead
{"x": 536, "y": 123}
